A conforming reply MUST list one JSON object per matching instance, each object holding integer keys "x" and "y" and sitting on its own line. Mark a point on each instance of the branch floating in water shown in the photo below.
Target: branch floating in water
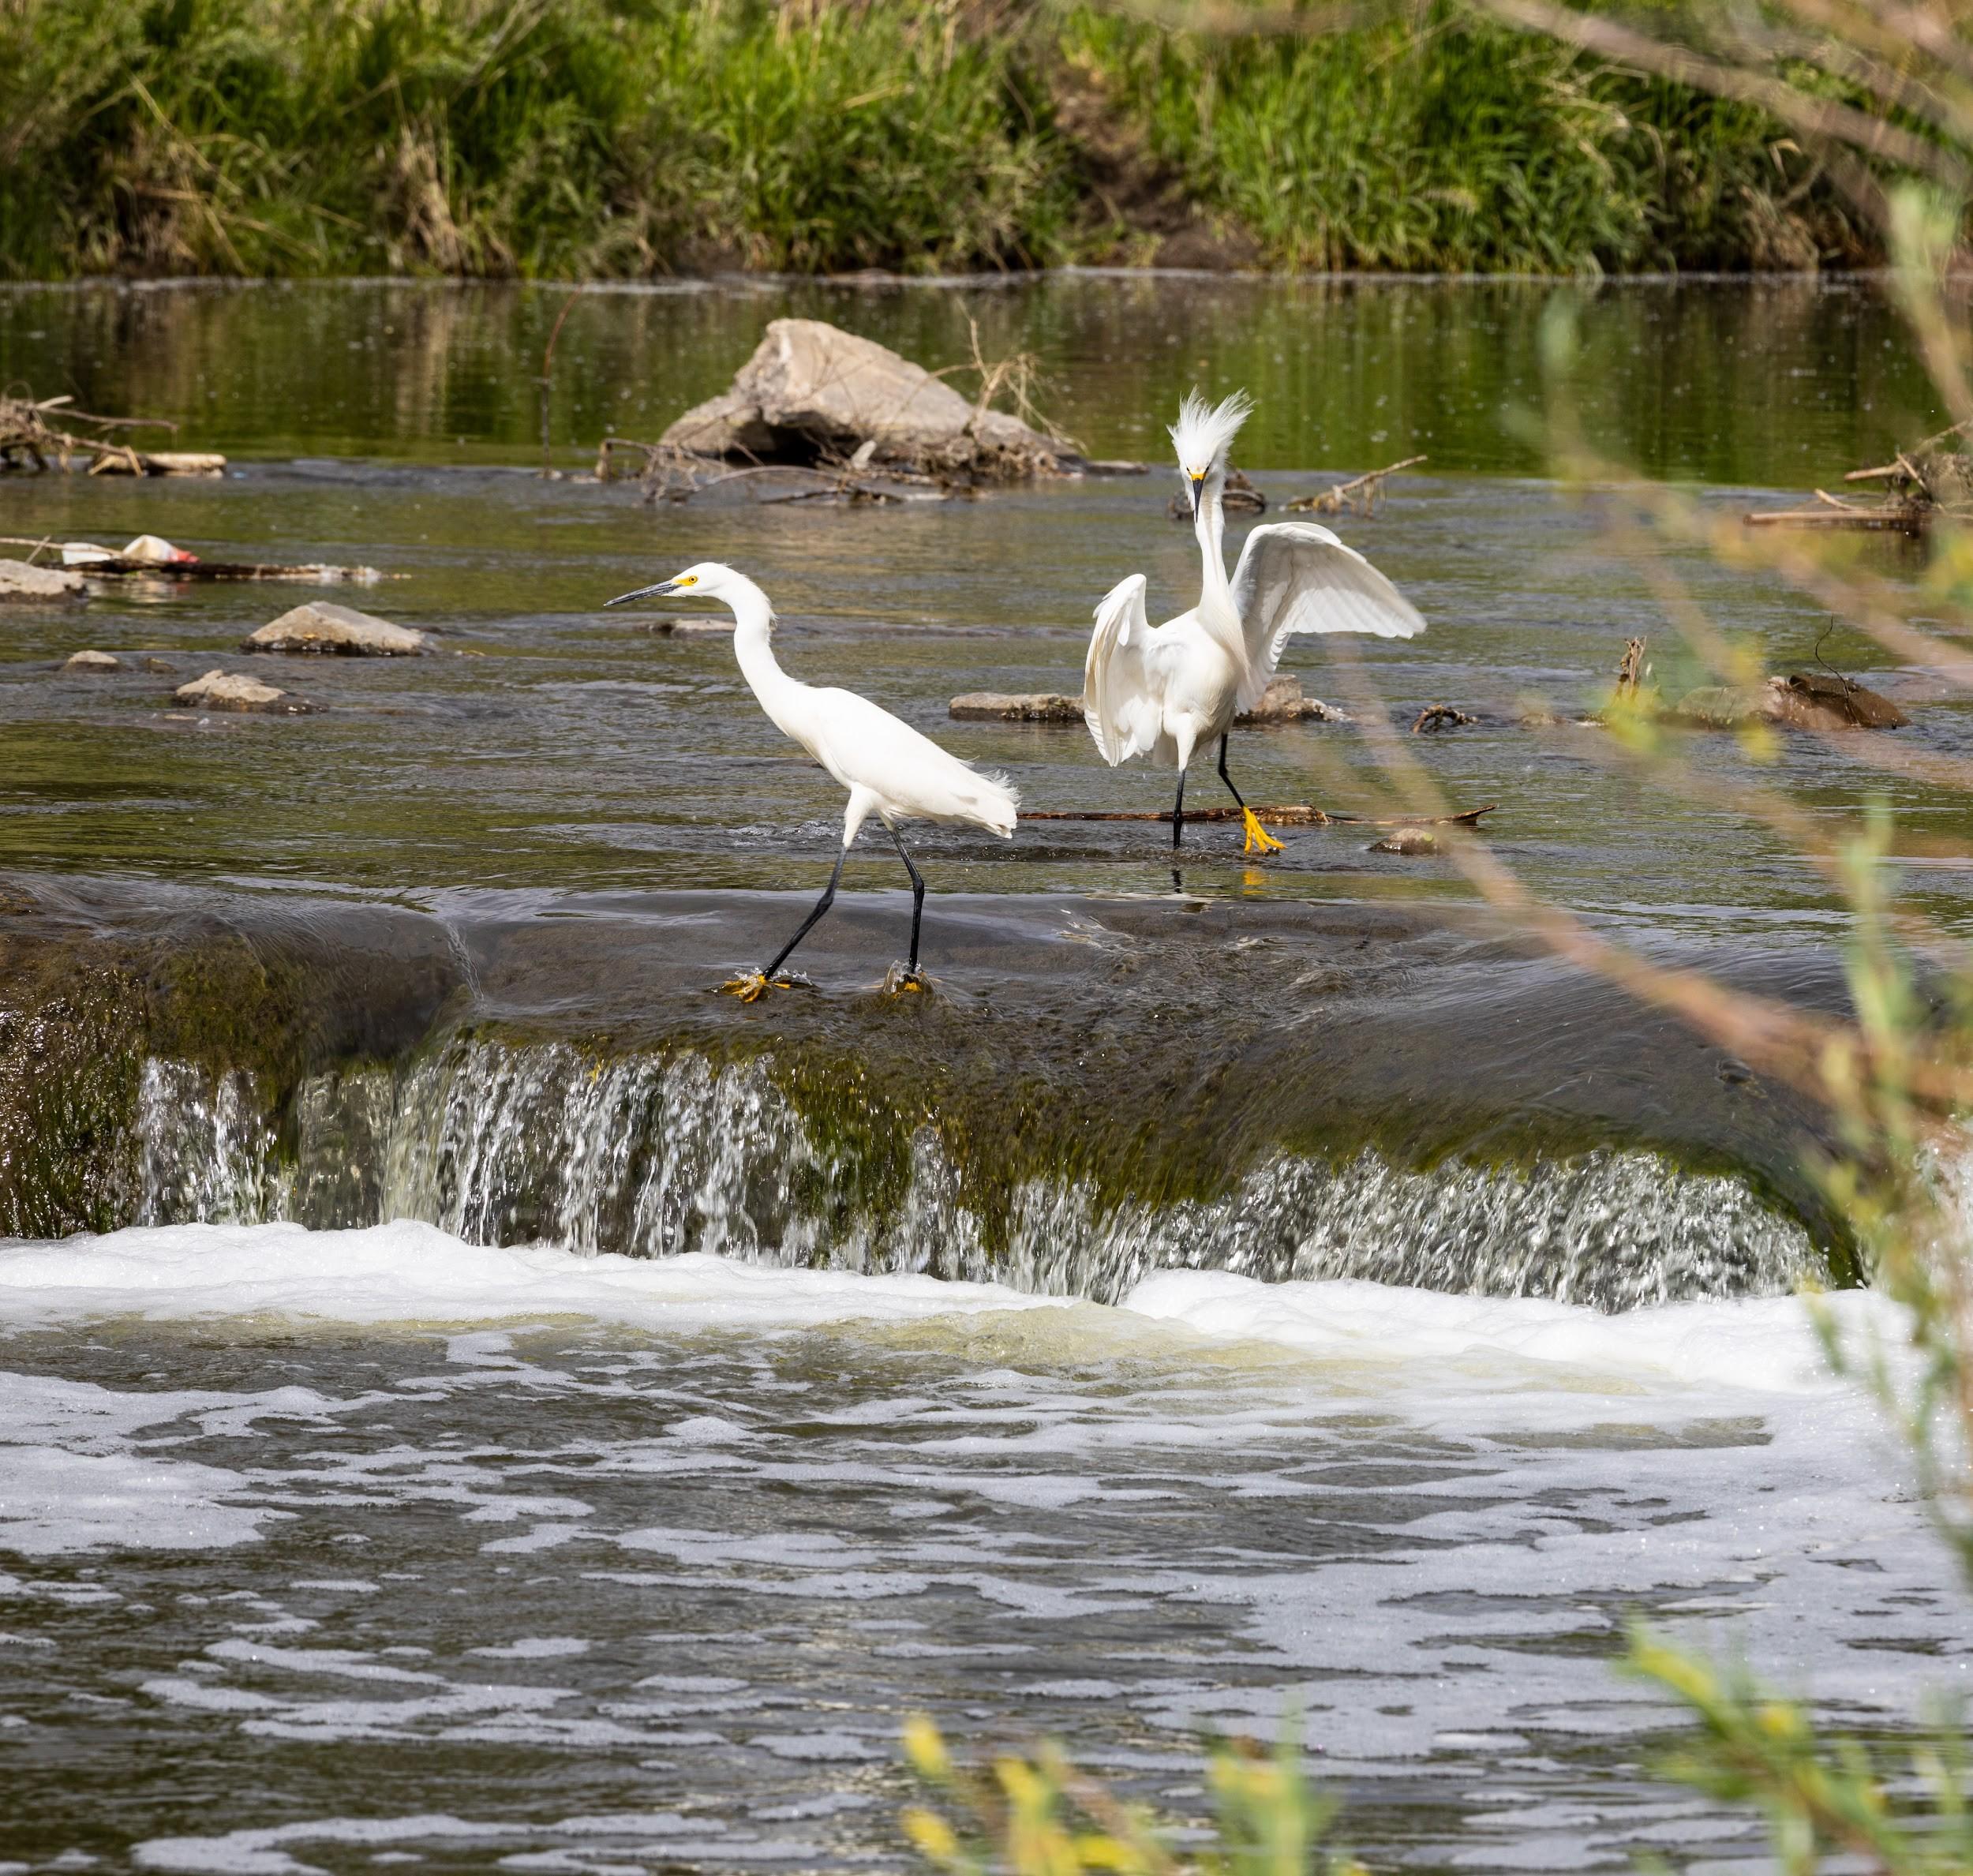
{"x": 1359, "y": 494}
{"x": 28, "y": 440}
{"x": 1289, "y": 815}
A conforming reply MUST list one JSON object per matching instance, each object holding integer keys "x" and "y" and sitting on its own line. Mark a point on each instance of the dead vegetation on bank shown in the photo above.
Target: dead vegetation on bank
{"x": 35, "y": 435}
{"x": 1931, "y": 481}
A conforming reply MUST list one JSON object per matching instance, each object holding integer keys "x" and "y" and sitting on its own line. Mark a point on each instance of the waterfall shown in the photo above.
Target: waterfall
{"x": 658, "y": 1154}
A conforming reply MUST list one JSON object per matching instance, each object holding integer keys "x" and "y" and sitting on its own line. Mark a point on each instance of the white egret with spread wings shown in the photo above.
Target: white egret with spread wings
{"x": 890, "y": 770}
{"x": 1164, "y": 691}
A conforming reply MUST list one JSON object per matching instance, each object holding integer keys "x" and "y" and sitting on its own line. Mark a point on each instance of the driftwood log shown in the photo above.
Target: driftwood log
{"x": 1910, "y": 518}
{"x": 1631, "y": 672}
{"x": 305, "y": 575}
{"x": 115, "y": 567}
{"x": 1930, "y": 478}
{"x": 1436, "y": 717}
{"x": 1291, "y": 815}
{"x": 1281, "y": 702}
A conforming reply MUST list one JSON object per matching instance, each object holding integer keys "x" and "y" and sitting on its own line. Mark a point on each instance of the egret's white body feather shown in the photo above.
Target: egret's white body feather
{"x": 1163, "y": 690}
{"x": 888, "y": 768}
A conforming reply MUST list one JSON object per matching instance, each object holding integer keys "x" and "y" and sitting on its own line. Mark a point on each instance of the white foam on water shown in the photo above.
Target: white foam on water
{"x": 409, "y": 1272}
{"x": 71, "y": 1477}
{"x": 1766, "y": 1345}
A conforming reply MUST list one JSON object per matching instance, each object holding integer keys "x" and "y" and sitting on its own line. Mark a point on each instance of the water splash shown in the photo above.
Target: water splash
{"x": 657, "y": 1154}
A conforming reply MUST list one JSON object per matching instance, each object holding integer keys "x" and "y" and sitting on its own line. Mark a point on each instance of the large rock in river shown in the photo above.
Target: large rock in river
{"x": 812, "y": 391}
{"x": 320, "y": 626}
{"x": 18, "y": 580}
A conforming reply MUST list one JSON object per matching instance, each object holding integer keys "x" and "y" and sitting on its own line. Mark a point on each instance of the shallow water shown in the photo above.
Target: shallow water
{"x": 466, "y": 1540}
{"x": 555, "y": 746}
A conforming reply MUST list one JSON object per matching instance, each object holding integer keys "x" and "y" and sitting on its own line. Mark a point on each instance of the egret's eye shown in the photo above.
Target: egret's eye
{"x": 687, "y": 579}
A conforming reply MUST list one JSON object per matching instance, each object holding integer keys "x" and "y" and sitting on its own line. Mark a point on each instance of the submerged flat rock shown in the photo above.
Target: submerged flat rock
{"x": 322, "y": 626}
{"x": 228, "y": 691}
{"x": 1281, "y": 702}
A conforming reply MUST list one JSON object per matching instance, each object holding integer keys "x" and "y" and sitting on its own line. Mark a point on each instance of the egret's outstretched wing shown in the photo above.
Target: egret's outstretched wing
{"x": 1118, "y": 704}
{"x": 1295, "y": 577}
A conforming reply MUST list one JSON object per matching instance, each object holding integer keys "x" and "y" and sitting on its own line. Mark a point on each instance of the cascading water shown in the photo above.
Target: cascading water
{"x": 659, "y": 1154}
{"x": 207, "y": 1153}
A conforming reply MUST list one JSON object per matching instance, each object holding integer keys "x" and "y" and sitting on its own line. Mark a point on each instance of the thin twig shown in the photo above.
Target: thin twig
{"x": 547, "y": 378}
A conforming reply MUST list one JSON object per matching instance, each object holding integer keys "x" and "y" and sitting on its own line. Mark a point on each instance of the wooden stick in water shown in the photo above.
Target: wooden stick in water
{"x": 1292, "y": 814}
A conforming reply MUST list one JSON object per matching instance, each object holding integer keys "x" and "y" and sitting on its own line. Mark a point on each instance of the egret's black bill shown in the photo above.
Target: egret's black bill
{"x": 1198, "y": 494}
{"x": 624, "y": 599}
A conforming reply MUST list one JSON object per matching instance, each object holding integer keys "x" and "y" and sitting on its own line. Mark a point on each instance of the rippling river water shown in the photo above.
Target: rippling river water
{"x": 507, "y": 1406}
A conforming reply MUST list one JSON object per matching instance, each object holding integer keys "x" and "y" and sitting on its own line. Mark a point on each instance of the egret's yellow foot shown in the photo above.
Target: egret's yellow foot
{"x": 900, "y": 977}
{"x": 1257, "y": 836}
{"x": 750, "y": 987}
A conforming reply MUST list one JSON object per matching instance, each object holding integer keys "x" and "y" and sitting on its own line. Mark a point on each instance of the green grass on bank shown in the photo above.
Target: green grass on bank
{"x": 630, "y": 137}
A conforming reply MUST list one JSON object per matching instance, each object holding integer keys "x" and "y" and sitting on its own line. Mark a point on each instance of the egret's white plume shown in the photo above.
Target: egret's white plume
{"x": 1204, "y": 432}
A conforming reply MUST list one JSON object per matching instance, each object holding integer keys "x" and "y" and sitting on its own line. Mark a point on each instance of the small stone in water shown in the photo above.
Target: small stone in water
{"x": 1414, "y": 841}
{"x": 228, "y": 691}
{"x": 93, "y": 661}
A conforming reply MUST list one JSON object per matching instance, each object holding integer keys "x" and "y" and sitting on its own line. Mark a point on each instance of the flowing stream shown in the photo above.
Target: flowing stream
{"x": 472, "y": 1396}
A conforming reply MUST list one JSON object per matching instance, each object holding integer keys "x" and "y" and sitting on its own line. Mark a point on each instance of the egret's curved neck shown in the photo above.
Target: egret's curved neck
{"x": 753, "y": 645}
{"x": 1216, "y": 591}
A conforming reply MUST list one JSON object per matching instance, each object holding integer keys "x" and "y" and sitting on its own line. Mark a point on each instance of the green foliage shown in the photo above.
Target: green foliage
{"x": 1822, "y": 1797}
{"x": 1040, "y": 1817}
{"x": 1458, "y": 144}
{"x": 625, "y": 137}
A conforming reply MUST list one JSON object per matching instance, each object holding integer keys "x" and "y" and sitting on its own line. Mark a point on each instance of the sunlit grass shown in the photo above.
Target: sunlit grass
{"x": 581, "y": 137}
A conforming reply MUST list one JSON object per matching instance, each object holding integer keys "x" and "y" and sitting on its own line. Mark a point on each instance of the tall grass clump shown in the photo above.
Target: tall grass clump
{"x": 1445, "y": 141}
{"x": 515, "y": 137}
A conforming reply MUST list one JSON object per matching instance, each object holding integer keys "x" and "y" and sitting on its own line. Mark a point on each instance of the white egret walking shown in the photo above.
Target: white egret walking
{"x": 889, "y": 769}
{"x": 1163, "y": 691}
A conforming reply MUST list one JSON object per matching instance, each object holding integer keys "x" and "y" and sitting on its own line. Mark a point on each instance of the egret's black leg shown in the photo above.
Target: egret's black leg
{"x": 1178, "y": 812}
{"x": 1238, "y": 802}
{"x": 808, "y": 924}
{"x": 1257, "y": 836}
{"x": 918, "y": 897}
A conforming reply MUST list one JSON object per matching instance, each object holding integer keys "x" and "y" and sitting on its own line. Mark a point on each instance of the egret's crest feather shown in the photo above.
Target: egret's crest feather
{"x": 1204, "y": 432}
